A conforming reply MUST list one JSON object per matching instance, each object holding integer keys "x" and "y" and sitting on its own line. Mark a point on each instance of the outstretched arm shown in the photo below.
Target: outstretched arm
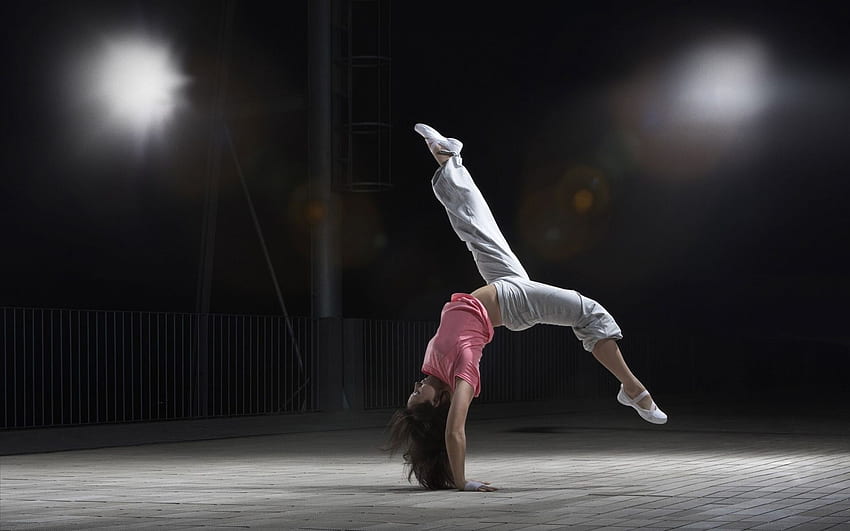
{"x": 456, "y": 434}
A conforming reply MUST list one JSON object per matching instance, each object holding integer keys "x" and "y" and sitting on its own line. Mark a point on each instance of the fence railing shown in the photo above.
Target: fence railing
{"x": 70, "y": 367}
{"x": 67, "y": 367}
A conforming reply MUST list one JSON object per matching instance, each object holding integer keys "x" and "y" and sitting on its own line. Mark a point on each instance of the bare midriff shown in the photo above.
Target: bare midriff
{"x": 490, "y": 299}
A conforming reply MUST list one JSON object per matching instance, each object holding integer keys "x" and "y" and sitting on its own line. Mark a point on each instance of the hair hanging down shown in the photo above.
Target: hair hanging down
{"x": 420, "y": 432}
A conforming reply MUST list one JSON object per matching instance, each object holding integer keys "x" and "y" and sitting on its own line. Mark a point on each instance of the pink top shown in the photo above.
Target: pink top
{"x": 456, "y": 348}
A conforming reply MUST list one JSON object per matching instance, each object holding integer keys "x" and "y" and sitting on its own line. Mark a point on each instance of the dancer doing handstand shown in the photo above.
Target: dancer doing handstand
{"x": 431, "y": 429}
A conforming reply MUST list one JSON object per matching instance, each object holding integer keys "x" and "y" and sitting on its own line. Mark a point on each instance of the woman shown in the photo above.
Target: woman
{"x": 431, "y": 428}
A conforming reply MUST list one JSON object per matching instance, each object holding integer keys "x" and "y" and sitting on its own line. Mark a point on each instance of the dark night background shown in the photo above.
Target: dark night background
{"x": 723, "y": 229}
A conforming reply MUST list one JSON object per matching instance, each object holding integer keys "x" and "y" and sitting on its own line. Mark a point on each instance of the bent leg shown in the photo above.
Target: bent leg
{"x": 607, "y": 352}
{"x": 473, "y": 222}
{"x": 525, "y": 303}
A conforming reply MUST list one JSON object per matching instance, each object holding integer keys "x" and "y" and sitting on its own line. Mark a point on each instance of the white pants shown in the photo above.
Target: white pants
{"x": 524, "y": 302}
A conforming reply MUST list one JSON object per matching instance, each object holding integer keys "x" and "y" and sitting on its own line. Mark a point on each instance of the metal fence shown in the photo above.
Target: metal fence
{"x": 70, "y": 367}
{"x": 393, "y": 353}
{"x": 67, "y": 367}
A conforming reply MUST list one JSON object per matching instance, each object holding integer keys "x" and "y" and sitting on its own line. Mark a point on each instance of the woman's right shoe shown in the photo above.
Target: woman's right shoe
{"x": 653, "y": 414}
{"x": 441, "y": 147}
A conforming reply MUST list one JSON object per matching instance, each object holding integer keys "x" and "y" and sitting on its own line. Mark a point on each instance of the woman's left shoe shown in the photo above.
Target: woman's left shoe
{"x": 653, "y": 414}
{"x": 442, "y": 148}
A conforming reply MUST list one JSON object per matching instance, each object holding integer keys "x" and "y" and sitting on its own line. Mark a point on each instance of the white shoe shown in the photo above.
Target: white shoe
{"x": 653, "y": 414}
{"x": 441, "y": 147}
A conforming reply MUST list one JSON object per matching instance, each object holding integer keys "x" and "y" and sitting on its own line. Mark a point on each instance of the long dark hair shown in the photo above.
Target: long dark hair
{"x": 420, "y": 432}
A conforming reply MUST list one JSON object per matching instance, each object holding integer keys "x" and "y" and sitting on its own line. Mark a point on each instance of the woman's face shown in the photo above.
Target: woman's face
{"x": 422, "y": 392}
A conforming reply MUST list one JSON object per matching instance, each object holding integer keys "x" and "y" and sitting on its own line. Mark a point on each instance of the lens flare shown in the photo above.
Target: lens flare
{"x": 583, "y": 201}
{"x": 566, "y": 215}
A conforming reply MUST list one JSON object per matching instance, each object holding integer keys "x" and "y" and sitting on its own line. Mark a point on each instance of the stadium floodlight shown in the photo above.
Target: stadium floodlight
{"x": 136, "y": 82}
{"x": 723, "y": 82}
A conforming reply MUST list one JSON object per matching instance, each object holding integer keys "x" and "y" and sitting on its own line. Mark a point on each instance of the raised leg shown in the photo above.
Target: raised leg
{"x": 473, "y": 222}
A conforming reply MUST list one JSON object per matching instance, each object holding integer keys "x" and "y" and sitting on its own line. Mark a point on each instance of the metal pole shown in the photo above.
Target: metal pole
{"x": 325, "y": 278}
{"x": 202, "y": 304}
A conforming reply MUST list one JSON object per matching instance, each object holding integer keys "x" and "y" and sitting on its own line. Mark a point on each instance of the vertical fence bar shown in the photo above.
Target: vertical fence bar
{"x": 378, "y": 345}
{"x": 116, "y": 387}
{"x": 249, "y": 369}
{"x": 256, "y": 372}
{"x": 32, "y": 364}
{"x": 61, "y": 368}
{"x": 215, "y": 369}
{"x": 224, "y": 369}
{"x": 384, "y": 361}
{"x": 194, "y": 341}
{"x": 232, "y": 369}
{"x": 289, "y": 371}
{"x": 15, "y": 363}
{"x": 132, "y": 370}
{"x": 219, "y": 382}
{"x": 371, "y": 365}
{"x": 31, "y": 379}
{"x": 43, "y": 368}
{"x": 124, "y": 368}
{"x": 135, "y": 368}
{"x": 170, "y": 365}
{"x": 87, "y": 371}
{"x": 52, "y": 375}
{"x": 246, "y": 368}
{"x": 149, "y": 358}
{"x": 172, "y": 404}
{"x": 242, "y": 358}
{"x": 145, "y": 365}
{"x": 161, "y": 354}
{"x": 237, "y": 372}
{"x": 96, "y": 367}
{"x": 157, "y": 395}
{"x": 249, "y": 388}
{"x": 261, "y": 389}
{"x": 78, "y": 388}
{"x": 252, "y": 364}
{"x": 183, "y": 365}
{"x": 138, "y": 356}
{"x": 391, "y": 345}
{"x": 229, "y": 356}
{"x": 6, "y": 369}
{"x": 211, "y": 367}
{"x": 72, "y": 404}
{"x": 276, "y": 399}
{"x": 261, "y": 365}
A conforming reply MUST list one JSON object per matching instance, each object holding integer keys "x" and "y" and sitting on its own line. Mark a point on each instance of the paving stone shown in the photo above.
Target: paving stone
{"x": 583, "y": 478}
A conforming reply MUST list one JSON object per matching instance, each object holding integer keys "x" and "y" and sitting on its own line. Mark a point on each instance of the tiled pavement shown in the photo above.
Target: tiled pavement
{"x": 590, "y": 469}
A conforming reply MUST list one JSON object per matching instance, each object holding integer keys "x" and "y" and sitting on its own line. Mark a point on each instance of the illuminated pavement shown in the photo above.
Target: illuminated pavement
{"x": 592, "y": 468}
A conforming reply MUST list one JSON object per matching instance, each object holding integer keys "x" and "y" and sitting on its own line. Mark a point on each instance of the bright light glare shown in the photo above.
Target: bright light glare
{"x": 138, "y": 84}
{"x": 724, "y": 82}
